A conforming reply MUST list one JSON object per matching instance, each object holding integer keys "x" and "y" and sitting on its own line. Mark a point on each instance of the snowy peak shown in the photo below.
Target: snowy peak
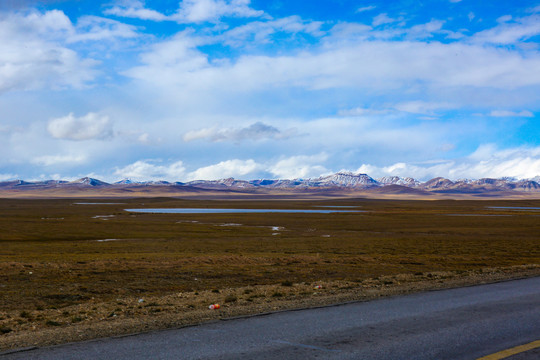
{"x": 396, "y": 180}
{"x": 216, "y": 184}
{"x": 347, "y": 179}
{"x": 156, "y": 182}
{"x": 89, "y": 182}
{"x": 124, "y": 182}
{"x": 527, "y": 185}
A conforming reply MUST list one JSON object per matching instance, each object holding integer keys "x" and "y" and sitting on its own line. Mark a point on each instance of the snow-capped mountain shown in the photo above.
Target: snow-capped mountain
{"x": 89, "y": 182}
{"x": 396, "y": 180}
{"x": 346, "y": 179}
{"x": 125, "y": 182}
{"x": 342, "y": 180}
{"x": 222, "y": 183}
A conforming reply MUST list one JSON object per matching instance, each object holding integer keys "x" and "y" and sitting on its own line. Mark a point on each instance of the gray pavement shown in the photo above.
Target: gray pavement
{"x": 464, "y": 323}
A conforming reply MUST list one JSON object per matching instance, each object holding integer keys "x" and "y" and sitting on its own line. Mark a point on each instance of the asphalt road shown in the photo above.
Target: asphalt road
{"x": 465, "y": 323}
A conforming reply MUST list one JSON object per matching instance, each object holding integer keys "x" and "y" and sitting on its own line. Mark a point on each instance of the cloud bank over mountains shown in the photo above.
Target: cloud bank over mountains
{"x": 207, "y": 89}
{"x": 486, "y": 162}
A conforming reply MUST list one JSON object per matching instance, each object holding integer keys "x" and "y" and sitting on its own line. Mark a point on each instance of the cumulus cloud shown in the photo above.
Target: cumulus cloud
{"x": 255, "y": 131}
{"x": 146, "y": 170}
{"x": 32, "y": 58}
{"x": 486, "y": 162}
{"x": 231, "y": 168}
{"x": 508, "y": 113}
{"x": 87, "y": 127}
{"x": 286, "y": 168}
{"x": 302, "y": 166}
{"x": 36, "y": 54}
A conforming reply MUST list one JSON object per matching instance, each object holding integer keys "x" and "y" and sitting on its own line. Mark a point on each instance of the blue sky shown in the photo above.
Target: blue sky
{"x": 209, "y": 89}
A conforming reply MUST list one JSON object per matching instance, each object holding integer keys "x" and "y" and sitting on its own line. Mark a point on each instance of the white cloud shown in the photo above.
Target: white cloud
{"x": 261, "y": 32}
{"x": 32, "y": 58}
{"x": 188, "y": 82}
{"x": 287, "y": 168}
{"x": 301, "y": 166}
{"x": 190, "y": 11}
{"x": 212, "y": 10}
{"x": 507, "y": 113}
{"x": 504, "y": 18}
{"x": 144, "y": 138}
{"x": 365, "y": 8}
{"x": 418, "y": 107}
{"x": 521, "y": 29}
{"x": 486, "y": 162}
{"x": 8, "y": 177}
{"x": 382, "y": 19}
{"x": 135, "y": 9}
{"x": 179, "y": 67}
{"x": 422, "y": 31}
{"x": 231, "y": 168}
{"x": 48, "y": 160}
{"x": 422, "y": 107}
{"x": 87, "y": 127}
{"x": 174, "y": 60}
{"x": 145, "y": 170}
{"x": 361, "y": 111}
{"x": 94, "y": 28}
{"x": 255, "y": 131}
{"x": 36, "y": 54}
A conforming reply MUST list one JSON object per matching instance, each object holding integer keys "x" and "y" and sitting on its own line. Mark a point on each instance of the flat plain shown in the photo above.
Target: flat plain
{"x": 73, "y": 269}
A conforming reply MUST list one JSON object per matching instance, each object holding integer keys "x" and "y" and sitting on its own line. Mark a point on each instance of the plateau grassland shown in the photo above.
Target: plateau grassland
{"x": 73, "y": 269}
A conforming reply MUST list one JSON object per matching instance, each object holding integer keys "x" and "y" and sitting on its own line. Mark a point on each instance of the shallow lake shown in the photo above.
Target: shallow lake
{"x": 236, "y": 211}
{"x": 336, "y": 206}
{"x": 497, "y": 215}
{"x": 96, "y": 203}
{"x": 523, "y": 208}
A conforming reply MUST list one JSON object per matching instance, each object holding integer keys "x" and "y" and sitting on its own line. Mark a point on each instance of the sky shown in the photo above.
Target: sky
{"x": 210, "y": 89}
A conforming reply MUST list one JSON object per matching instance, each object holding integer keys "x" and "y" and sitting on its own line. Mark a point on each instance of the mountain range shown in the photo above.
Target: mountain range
{"x": 341, "y": 181}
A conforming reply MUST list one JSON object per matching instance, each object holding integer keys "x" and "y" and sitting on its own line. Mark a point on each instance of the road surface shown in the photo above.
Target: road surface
{"x": 464, "y": 323}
